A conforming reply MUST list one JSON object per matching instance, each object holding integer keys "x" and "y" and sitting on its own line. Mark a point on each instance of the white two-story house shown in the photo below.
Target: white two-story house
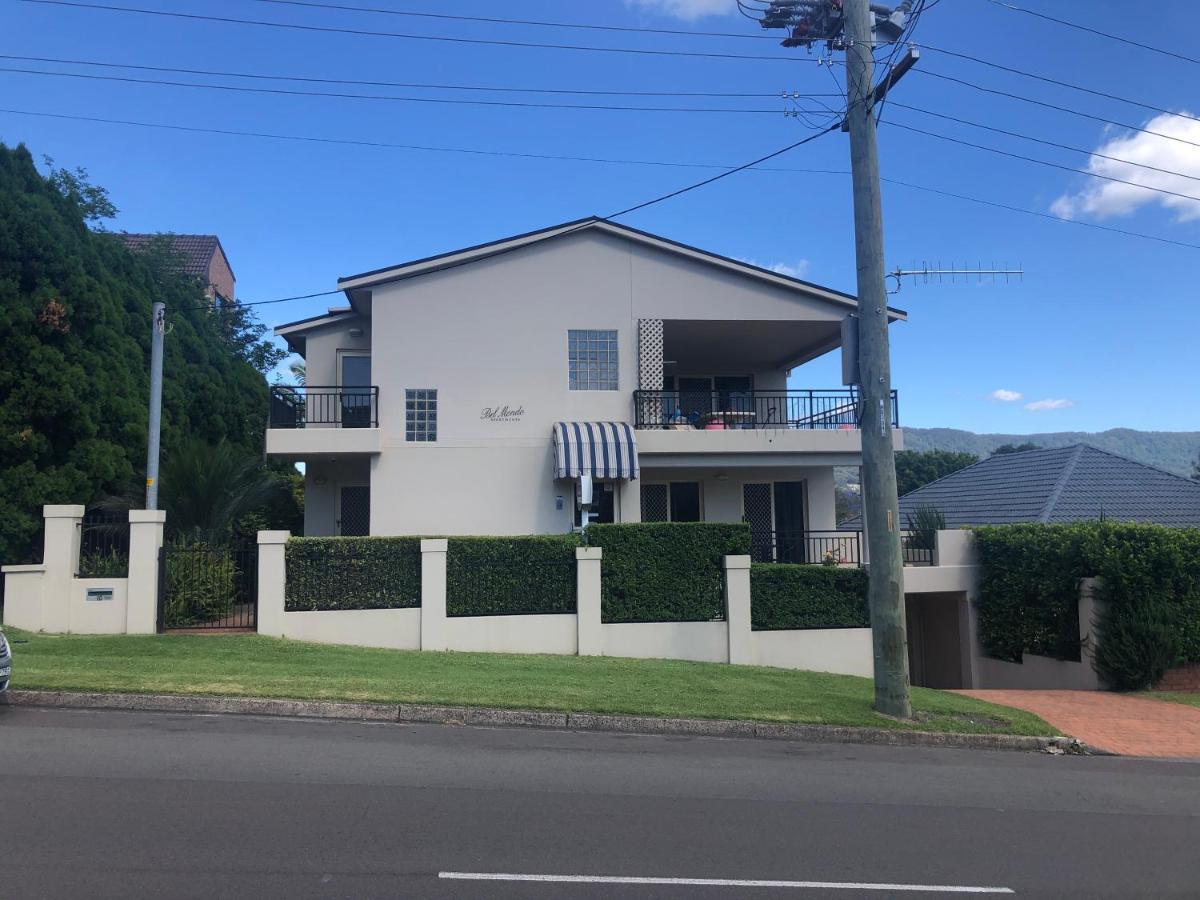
{"x": 467, "y": 392}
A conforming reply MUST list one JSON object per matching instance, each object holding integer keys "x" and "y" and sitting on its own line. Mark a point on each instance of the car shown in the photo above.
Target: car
{"x": 5, "y": 662}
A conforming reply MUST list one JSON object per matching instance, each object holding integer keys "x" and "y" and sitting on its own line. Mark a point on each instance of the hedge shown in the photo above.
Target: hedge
{"x": 1149, "y": 588}
{"x": 200, "y": 583}
{"x": 326, "y": 573}
{"x": 789, "y": 597}
{"x": 665, "y": 571}
{"x": 488, "y": 576}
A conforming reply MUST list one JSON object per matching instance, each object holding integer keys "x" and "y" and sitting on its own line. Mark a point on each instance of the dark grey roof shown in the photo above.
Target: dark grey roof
{"x": 1065, "y": 484}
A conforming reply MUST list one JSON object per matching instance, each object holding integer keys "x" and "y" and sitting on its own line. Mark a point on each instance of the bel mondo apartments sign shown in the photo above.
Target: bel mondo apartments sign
{"x": 502, "y": 414}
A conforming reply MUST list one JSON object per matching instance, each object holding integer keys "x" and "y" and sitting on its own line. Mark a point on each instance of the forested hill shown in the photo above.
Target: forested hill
{"x": 1175, "y": 451}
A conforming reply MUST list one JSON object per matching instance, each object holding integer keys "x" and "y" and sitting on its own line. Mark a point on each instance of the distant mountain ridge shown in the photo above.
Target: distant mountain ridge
{"x": 1174, "y": 451}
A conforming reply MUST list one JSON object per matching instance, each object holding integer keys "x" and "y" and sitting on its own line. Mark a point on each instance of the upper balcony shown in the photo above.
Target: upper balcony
{"x": 727, "y": 409}
{"x": 313, "y": 420}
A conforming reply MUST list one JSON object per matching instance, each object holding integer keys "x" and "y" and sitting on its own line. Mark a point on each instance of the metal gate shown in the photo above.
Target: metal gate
{"x": 207, "y": 587}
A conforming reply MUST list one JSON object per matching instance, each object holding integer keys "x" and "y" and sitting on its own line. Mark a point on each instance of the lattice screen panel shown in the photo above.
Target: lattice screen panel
{"x": 655, "y": 506}
{"x": 756, "y": 505}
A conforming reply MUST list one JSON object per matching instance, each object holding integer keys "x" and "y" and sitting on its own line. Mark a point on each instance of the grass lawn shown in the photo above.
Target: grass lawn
{"x": 1188, "y": 698}
{"x": 254, "y": 666}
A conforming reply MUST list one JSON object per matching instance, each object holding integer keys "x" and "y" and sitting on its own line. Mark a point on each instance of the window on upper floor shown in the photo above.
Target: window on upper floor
{"x": 420, "y": 414}
{"x": 592, "y": 360}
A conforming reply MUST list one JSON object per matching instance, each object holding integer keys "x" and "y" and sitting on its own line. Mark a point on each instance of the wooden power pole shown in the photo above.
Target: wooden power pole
{"x": 881, "y": 506}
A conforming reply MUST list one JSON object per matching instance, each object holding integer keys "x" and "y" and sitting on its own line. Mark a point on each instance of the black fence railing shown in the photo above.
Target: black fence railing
{"x": 103, "y": 545}
{"x": 330, "y": 407}
{"x": 720, "y": 410}
{"x": 831, "y": 548}
{"x": 917, "y": 548}
{"x": 208, "y": 585}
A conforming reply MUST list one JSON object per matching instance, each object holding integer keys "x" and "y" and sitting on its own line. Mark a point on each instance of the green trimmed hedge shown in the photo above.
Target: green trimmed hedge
{"x": 490, "y": 576}
{"x": 327, "y": 573}
{"x": 665, "y": 571}
{"x": 1150, "y": 593}
{"x": 790, "y": 597}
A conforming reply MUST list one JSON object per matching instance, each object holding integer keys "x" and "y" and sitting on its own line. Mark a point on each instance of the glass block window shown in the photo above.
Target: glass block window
{"x": 420, "y": 414}
{"x": 592, "y": 360}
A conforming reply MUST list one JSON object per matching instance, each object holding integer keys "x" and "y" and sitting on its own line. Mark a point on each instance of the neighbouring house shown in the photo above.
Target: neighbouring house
{"x": 1064, "y": 484}
{"x": 203, "y": 256}
{"x": 473, "y": 392}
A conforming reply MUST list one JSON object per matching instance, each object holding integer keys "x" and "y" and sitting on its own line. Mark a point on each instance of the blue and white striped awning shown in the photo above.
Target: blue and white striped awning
{"x": 599, "y": 449}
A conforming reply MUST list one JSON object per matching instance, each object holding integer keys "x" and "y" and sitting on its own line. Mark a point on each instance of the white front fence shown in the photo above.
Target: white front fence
{"x": 843, "y": 651}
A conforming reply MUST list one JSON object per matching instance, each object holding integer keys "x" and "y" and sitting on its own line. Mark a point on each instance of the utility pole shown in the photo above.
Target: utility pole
{"x": 855, "y": 25}
{"x": 881, "y": 506}
{"x": 157, "y": 333}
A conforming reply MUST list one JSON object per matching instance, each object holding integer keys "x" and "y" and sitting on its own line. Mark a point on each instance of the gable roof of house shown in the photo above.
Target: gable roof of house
{"x": 365, "y": 280}
{"x": 197, "y": 250}
{"x": 1063, "y": 484}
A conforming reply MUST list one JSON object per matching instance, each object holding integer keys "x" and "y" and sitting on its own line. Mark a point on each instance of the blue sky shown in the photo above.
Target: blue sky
{"x": 1102, "y": 325}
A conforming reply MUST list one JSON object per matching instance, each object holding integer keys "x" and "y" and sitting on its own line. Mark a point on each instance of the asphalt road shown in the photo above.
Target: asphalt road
{"x": 114, "y": 804}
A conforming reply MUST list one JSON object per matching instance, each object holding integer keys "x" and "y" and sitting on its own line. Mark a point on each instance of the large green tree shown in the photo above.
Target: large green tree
{"x": 917, "y": 468}
{"x": 74, "y": 353}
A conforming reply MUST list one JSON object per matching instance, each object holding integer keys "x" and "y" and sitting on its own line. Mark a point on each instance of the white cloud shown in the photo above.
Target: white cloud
{"x": 1106, "y": 199}
{"x": 1006, "y": 396}
{"x": 688, "y": 10}
{"x": 798, "y": 269}
{"x": 1041, "y": 405}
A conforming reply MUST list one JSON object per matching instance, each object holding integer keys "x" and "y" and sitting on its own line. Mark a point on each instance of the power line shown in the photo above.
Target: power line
{"x": 586, "y": 159}
{"x": 361, "y": 32}
{"x": 414, "y": 84}
{"x": 535, "y": 22}
{"x": 1048, "y": 143}
{"x": 1104, "y": 34}
{"x": 125, "y": 79}
{"x": 1053, "y": 106}
{"x": 1041, "y": 162}
{"x": 1044, "y": 78}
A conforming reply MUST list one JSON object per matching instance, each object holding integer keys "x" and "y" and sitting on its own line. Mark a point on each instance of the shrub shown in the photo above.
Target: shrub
{"x": 924, "y": 525}
{"x": 104, "y": 564}
{"x": 1150, "y": 593}
{"x": 326, "y": 573}
{"x": 666, "y": 571}
{"x": 200, "y": 583}
{"x": 784, "y": 596}
{"x": 488, "y": 576}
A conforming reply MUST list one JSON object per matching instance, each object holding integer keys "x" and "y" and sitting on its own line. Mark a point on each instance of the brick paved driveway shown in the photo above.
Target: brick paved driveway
{"x": 1131, "y": 726}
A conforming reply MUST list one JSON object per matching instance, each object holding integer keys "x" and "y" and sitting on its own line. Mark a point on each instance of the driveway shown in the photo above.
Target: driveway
{"x": 1131, "y": 726}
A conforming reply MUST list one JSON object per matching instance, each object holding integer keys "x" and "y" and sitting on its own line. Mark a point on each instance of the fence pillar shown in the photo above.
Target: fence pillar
{"x": 272, "y": 581}
{"x": 433, "y": 593}
{"x": 590, "y": 631}
{"x": 145, "y": 544}
{"x": 737, "y": 610}
{"x": 60, "y": 556}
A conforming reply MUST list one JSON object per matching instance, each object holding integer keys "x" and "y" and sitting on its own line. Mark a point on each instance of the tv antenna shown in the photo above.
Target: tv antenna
{"x": 931, "y": 273}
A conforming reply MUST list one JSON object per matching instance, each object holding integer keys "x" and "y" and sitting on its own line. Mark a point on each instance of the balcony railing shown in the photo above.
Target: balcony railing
{"x": 831, "y": 548}
{"x": 327, "y": 407}
{"x": 721, "y": 410}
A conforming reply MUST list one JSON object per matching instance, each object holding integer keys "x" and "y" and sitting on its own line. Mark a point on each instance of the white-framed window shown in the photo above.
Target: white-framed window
{"x": 420, "y": 414}
{"x": 592, "y": 360}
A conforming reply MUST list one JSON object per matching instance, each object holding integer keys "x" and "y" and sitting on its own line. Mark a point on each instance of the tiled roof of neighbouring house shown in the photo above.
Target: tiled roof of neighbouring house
{"x": 197, "y": 249}
{"x": 1065, "y": 484}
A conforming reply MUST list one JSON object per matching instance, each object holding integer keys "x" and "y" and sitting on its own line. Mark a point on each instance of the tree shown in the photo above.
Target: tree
{"x": 1015, "y": 448}
{"x": 917, "y": 468}
{"x": 74, "y": 350}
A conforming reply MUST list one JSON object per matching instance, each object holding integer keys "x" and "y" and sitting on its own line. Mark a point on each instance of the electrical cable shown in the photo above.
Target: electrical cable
{"x": 361, "y": 32}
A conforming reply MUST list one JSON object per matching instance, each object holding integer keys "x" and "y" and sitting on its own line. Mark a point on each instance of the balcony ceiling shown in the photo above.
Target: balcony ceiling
{"x": 738, "y": 346}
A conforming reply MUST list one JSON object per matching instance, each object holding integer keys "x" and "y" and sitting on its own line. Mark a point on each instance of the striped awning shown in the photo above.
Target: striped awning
{"x": 599, "y": 449}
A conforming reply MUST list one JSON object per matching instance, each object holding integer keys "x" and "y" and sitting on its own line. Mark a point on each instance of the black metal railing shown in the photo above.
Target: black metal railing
{"x": 208, "y": 585}
{"x": 916, "y": 547}
{"x": 330, "y": 407}
{"x": 720, "y": 410}
{"x": 103, "y": 545}
{"x": 831, "y": 548}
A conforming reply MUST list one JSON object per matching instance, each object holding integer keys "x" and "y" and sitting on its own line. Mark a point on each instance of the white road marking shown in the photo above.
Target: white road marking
{"x": 726, "y": 882}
